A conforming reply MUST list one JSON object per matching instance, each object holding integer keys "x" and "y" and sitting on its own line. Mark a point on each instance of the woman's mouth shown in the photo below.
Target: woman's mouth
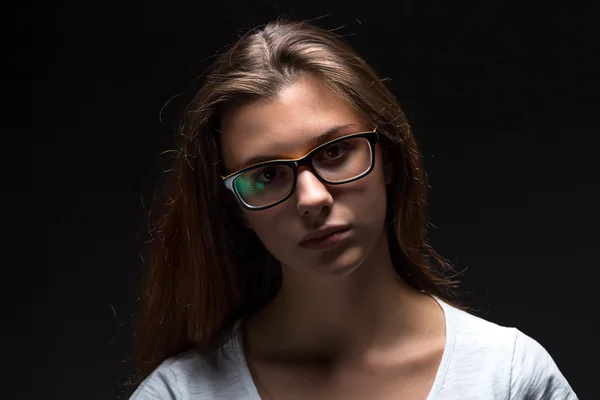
{"x": 327, "y": 241}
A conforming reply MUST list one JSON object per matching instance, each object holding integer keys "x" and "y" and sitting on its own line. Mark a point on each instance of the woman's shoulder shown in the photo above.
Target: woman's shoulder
{"x": 478, "y": 333}
{"x": 192, "y": 374}
{"x": 501, "y": 357}
{"x": 534, "y": 374}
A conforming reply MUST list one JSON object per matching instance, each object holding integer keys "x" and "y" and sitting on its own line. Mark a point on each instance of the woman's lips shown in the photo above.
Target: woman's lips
{"x": 327, "y": 241}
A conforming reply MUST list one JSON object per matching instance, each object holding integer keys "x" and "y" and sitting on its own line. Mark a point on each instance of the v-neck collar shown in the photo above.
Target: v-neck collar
{"x": 238, "y": 347}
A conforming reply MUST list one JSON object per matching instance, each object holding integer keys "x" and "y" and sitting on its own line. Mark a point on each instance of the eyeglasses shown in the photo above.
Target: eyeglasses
{"x": 338, "y": 161}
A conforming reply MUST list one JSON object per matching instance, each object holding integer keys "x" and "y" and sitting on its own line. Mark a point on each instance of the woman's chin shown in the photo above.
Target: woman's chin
{"x": 341, "y": 264}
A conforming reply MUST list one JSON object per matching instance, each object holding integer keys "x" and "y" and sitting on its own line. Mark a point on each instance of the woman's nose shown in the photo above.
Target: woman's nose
{"x": 313, "y": 198}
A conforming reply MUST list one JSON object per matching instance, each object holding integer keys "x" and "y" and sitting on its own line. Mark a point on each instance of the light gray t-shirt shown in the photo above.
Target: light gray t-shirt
{"x": 481, "y": 360}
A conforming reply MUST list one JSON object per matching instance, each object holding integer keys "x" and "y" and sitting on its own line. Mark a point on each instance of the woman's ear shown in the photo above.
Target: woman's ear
{"x": 388, "y": 170}
{"x": 237, "y": 212}
{"x": 244, "y": 219}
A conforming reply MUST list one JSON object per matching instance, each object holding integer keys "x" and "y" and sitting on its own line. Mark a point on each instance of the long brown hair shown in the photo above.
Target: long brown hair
{"x": 204, "y": 269}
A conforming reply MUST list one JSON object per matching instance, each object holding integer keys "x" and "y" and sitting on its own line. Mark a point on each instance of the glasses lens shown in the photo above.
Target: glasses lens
{"x": 343, "y": 160}
{"x": 266, "y": 185}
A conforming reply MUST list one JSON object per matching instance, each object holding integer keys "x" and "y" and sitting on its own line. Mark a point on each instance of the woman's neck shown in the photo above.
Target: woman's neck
{"x": 340, "y": 319}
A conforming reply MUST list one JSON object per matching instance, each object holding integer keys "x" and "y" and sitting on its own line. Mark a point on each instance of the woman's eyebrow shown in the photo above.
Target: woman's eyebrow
{"x": 324, "y": 137}
{"x": 315, "y": 141}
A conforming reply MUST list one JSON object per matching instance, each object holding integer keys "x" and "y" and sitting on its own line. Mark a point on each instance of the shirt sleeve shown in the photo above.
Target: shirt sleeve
{"x": 535, "y": 375}
{"x": 161, "y": 384}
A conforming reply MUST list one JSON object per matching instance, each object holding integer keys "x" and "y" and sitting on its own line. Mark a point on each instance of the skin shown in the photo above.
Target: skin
{"x": 341, "y": 312}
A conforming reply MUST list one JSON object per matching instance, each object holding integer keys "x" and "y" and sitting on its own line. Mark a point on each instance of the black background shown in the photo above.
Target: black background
{"x": 503, "y": 99}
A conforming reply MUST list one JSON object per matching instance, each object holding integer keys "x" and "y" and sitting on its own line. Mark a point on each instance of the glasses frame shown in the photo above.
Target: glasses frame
{"x": 306, "y": 161}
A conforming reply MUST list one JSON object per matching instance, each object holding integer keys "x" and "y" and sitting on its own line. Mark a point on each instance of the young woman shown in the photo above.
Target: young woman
{"x": 290, "y": 261}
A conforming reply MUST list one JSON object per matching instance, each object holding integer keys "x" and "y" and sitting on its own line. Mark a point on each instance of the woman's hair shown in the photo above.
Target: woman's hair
{"x": 204, "y": 269}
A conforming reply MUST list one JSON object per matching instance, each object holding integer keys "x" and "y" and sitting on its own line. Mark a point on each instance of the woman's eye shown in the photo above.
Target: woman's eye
{"x": 267, "y": 175}
{"x": 333, "y": 152}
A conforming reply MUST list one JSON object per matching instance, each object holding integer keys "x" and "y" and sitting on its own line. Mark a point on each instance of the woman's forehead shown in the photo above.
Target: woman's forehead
{"x": 287, "y": 126}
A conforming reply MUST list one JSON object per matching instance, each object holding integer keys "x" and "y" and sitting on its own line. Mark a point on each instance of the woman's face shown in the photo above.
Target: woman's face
{"x": 286, "y": 128}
